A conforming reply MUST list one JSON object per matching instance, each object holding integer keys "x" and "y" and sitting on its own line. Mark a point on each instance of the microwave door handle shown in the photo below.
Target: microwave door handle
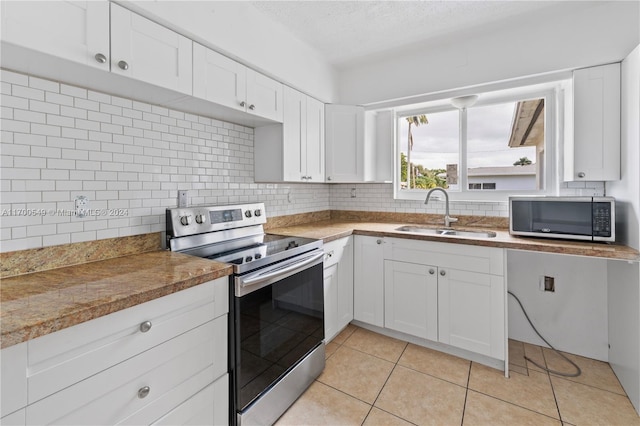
{"x": 289, "y": 269}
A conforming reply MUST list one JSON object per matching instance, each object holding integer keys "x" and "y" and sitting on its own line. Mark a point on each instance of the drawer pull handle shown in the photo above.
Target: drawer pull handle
{"x": 143, "y": 392}
{"x": 145, "y": 326}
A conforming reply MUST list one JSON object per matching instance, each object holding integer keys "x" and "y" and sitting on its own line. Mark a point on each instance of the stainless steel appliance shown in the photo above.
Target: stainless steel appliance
{"x": 276, "y": 326}
{"x": 574, "y": 218}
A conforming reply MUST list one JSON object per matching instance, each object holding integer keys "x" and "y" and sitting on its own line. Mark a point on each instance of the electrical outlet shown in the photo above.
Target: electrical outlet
{"x": 82, "y": 206}
{"x": 547, "y": 283}
{"x": 183, "y": 200}
{"x": 353, "y": 193}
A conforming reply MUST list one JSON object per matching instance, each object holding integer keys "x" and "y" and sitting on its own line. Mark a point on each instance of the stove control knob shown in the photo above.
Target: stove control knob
{"x": 258, "y": 256}
{"x": 257, "y": 213}
{"x": 200, "y": 219}
{"x": 248, "y": 259}
{"x": 185, "y": 220}
{"x": 247, "y": 213}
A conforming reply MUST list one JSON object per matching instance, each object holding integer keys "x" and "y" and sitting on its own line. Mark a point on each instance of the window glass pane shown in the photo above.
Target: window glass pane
{"x": 505, "y": 146}
{"x": 434, "y": 156}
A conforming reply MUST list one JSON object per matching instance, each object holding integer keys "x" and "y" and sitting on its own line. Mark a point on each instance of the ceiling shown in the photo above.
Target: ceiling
{"x": 349, "y": 32}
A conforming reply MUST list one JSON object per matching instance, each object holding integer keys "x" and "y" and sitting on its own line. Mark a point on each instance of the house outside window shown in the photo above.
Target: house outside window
{"x": 498, "y": 147}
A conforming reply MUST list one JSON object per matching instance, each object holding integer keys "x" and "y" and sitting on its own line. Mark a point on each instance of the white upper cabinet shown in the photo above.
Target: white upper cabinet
{"x": 74, "y": 30}
{"x": 147, "y": 51}
{"x": 344, "y": 143}
{"x": 359, "y": 144}
{"x": 592, "y": 143}
{"x": 294, "y": 150}
{"x": 314, "y": 149}
{"x": 264, "y": 96}
{"x": 226, "y": 82}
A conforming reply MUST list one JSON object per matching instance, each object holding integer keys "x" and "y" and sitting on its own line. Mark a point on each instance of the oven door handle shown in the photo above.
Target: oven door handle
{"x": 288, "y": 269}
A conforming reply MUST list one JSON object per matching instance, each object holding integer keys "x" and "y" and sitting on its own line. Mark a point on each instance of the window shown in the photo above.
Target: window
{"x": 497, "y": 146}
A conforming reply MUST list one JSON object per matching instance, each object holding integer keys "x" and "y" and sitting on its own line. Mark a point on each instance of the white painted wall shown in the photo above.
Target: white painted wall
{"x": 238, "y": 30}
{"x": 589, "y": 33}
{"x": 627, "y": 190}
{"x": 624, "y": 278}
{"x": 574, "y": 317}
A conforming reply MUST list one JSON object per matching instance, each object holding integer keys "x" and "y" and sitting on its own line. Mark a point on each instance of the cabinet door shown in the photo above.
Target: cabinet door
{"x": 219, "y": 79}
{"x": 73, "y": 30}
{"x": 294, "y": 135}
{"x": 147, "y": 51}
{"x": 344, "y": 137}
{"x": 471, "y": 311}
{"x": 596, "y": 126}
{"x": 411, "y": 299}
{"x": 330, "y": 302}
{"x": 345, "y": 286}
{"x": 264, "y": 96}
{"x": 368, "y": 280}
{"x": 314, "y": 148}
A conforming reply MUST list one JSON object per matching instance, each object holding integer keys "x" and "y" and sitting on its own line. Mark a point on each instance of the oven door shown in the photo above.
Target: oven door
{"x": 278, "y": 320}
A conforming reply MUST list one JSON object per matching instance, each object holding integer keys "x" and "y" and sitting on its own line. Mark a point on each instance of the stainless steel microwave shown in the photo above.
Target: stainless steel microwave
{"x": 573, "y": 218}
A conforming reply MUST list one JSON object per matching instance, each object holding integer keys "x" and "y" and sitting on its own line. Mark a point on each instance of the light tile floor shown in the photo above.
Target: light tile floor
{"x": 372, "y": 379}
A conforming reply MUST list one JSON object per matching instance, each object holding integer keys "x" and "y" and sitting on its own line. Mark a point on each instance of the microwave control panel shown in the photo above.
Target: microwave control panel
{"x": 601, "y": 219}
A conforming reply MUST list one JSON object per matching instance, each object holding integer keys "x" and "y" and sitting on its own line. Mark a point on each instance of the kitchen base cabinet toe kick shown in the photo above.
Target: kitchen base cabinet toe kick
{"x": 447, "y": 297}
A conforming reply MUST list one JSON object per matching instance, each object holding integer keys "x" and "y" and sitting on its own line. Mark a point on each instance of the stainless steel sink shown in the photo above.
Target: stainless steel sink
{"x": 446, "y": 231}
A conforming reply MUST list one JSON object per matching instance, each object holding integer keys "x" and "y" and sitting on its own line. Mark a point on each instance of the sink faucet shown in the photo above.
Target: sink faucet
{"x": 447, "y": 219}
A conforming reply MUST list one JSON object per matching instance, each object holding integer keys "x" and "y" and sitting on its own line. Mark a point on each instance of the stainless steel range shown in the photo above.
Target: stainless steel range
{"x": 276, "y": 325}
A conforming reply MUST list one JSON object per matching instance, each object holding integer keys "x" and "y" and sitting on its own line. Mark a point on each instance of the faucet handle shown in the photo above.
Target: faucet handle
{"x": 448, "y": 220}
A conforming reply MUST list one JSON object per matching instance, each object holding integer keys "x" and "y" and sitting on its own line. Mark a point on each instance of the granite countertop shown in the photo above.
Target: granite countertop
{"x": 330, "y": 230}
{"x": 36, "y": 304}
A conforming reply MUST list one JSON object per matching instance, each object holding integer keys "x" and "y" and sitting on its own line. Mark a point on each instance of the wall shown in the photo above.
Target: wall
{"x": 60, "y": 141}
{"x": 238, "y": 30}
{"x": 574, "y": 317}
{"x": 586, "y": 34}
{"x": 624, "y": 278}
{"x": 379, "y": 197}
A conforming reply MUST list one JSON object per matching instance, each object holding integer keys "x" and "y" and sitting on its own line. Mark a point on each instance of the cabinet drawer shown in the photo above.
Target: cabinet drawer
{"x": 63, "y": 358}
{"x": 172, "y": 371}
{"x": 487, "y": 260}
{"x": 210, "y": 406}
{"x": 333, "y": 251}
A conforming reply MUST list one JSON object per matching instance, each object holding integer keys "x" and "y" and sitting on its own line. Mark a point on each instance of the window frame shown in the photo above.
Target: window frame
{"x": 552, "y": 94}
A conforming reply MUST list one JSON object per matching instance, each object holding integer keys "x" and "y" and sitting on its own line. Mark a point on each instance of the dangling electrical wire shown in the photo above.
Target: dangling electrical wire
{"x": 576, "y": 374}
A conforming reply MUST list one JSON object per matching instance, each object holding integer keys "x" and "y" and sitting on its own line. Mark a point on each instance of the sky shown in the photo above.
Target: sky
{"x": 436, "y": 144}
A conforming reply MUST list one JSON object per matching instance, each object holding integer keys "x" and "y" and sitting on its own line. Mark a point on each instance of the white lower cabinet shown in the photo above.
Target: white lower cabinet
{"x": 441, "y": 292}
{"x": 368, "y": 280}
{"x": 135, "y": 366}
{"x": 338, "y": 286}
{"x": 411, "y": 299}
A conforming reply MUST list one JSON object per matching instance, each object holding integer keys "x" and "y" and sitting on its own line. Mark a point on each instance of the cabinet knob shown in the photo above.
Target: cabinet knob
{"x": 145, "y": 326}
{"x": 443, "y": 273}
{"x": 581, "y": 174}
{"x": 328, "y": 177}
{"x": 123, "y": 65}
{"x": 100, "y": 58}
{"x": 378, "y": 241}
{"x": 252, "y": 107}
{"x": 143, "y": 392}
{"x": 243, "y": 103}
{"x": 432, "y": 271}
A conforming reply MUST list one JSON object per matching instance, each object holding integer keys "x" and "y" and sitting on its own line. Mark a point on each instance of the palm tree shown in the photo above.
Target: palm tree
{"x": 415, "y": 120}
